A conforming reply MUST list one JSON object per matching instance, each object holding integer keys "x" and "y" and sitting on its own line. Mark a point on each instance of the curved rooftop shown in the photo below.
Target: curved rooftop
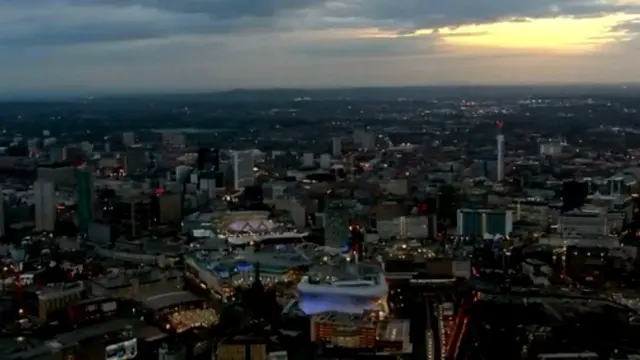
{"x": 343, "y": 278}
{"x": 161, "y": 301}
{"x": 276, "y": 259}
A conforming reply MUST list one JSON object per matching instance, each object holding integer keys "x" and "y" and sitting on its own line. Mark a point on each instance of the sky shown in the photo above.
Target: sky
{"x": 132, "y": 46}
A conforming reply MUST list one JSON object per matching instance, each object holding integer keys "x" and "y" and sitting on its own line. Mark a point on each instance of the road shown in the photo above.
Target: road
{"x": 430, "y": 340}
{"x": 434, "y": 326}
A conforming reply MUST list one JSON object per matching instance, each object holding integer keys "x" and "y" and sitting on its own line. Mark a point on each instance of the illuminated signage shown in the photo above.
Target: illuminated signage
{"x": 122, "y": 351}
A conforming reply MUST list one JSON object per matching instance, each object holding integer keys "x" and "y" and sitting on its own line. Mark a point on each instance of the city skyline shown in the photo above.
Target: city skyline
{"x": 130, "y": 46}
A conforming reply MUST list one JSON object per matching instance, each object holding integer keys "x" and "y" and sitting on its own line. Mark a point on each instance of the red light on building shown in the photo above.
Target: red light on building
{"x": 158, "y": 191}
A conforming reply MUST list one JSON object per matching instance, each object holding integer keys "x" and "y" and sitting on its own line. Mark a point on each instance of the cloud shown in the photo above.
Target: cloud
{"x": 419, "y": 14}
{"x": 56, "y": 22}
{"x": 206, "y": 44}
{"x": 363, "y": 48}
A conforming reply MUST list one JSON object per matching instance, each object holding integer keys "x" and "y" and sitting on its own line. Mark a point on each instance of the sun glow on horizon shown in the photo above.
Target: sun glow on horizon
{"x": 556, "y": 35}
{"x": 560, "y": 35}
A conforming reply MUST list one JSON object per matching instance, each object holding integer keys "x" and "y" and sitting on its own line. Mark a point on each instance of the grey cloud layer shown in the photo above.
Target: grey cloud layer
{"x": 55, "y": 22}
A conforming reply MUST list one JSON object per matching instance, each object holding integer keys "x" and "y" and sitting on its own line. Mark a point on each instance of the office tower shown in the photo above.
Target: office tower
{"x": 172, "y": 138}
{"x": 364, "y": 139}
{"x": 325, "y": 161}
{"x": 308, "y": 160}
{"x": 208, "y": 159}
{"x": 128, "y": 138}
{"x": 298, "y": 213}
{"x": 336, "y": 146}
{"x": 479, "y": 222}
{"x": 574, "y": 194}
{"x": 2, "y": 222}
{"x": 85, "y": 198}
{"x": 45, "y": 205}
{"x": 242, "y": 169}
{"x": 336, "y": 229}
{"x": 500, "y": 144}
{"x": 135, "y": 160}
{"x": 87, "y": 147}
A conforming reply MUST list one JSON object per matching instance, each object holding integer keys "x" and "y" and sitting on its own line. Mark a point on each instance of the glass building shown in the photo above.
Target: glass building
{"x": 336, "y": 229}
{"x": 478, "y": 222}
{"x": 84, "y": 181}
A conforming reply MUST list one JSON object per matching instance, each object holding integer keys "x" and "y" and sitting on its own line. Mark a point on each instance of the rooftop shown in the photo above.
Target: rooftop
{"x": 161, "y": 301}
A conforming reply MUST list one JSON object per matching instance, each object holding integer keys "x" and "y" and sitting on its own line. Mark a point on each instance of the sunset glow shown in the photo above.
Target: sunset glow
{"x": 559, "y": 35}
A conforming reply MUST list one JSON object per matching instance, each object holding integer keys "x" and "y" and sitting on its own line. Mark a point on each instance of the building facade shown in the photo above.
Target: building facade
{"x": 480, "y": 222}
{"x": 45, "y": 205}
{"x": 85, "y": 196}
{"x": 336, "y": 225}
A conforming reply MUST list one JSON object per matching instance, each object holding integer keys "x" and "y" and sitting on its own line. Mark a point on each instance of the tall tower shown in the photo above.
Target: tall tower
{"x": 85, "y": 198}
{"x": 500, "y": 144}
{"x": 45, "y": 205}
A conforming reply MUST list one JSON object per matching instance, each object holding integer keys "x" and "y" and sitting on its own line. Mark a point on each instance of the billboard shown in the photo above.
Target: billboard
{"x": 122, "y": 351}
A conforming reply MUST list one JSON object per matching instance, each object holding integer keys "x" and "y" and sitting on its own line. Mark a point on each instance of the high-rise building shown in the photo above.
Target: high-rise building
{"x": 85, "y": 198}
{"x": 242, "y": 169}
{"x": 45, "y": 205}
{"x": 308, "y": 160}
{"x": 336, "y": 228}
{"x": 325, "y": 161}
{"x": 2, "y": 222}
{"x": 135, "y": 160}
{"x": 364, "y": 139}
{"x": 128, "y": 138}
{"x": 208, "y": 159}
{"x": 479, "y": 222}
{"x": 336, "y": 146}
{"x": 500, "y": 164}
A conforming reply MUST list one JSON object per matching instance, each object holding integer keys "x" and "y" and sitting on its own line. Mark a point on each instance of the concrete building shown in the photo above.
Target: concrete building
{"x": 298, "y": 213}
{"x": 308, "y": 160}
{"x": 481, "y": 222}
{"x": 500, "y": 160}
{"x": 403, "y": 227}
{"x": 2, "y": 221}
{"x": 395, "y": 186}
{"x": 128, "y": 138}
{"x": 135, "y": 160}
{"x": 170, "y": 207}
{"x": 336, "y": 146}
{"x": 58, "y": 175}
{"x": 553, "y": 148}
{"x": 45, "y": 205}
{"x": 336, "y": 225}
{"x": 325, "y": 161}
{"x": 584, "y": 222}
{"x": 52, "y": 298}
{"x": 364, "y": 139}
{"x": 85, "y": 198}
{"x": 242, "y": 163}
{"x": 173, "y": 138}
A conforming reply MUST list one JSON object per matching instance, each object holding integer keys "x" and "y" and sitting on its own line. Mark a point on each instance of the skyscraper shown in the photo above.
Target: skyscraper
{"x": 500, "y": 144}
{"x": 84, "y": 180}
{"x": 336, "y": 229}
{"x": 45, "y": 205}
{"x": 135, "y": 160}
{"x": 336, "y": 146}
{"x": 242, "y": 168}
{"x": 208, "y": 159}
{"x": 2, "y": 222}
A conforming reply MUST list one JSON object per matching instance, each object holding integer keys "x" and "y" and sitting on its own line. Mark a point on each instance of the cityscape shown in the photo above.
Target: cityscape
{"x": 453, "y": 223}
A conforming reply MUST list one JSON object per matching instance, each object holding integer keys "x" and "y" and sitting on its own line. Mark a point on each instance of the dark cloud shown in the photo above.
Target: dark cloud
{"x": 367, "y": 47}
{"x": 223, "y": 9}
{"x": 38, "y": 22}
{"x": 415, "y": 14}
